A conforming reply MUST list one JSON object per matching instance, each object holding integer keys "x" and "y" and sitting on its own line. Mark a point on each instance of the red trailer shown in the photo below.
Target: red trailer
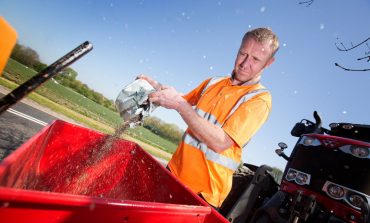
{"x": 68, "y": 173}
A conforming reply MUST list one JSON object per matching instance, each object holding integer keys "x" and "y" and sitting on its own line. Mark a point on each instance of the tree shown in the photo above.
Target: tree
{"x": 307, "y": 3}
{"x": 168, "y": 131}
{"x": 98, "y": 98}
{"x": 25, "y": 55}
{"x": 38, "y": 66}
{"x": 277, "y": 174}
{"x": 69, "y": 73}
{"x": 29, "y": 57}
{"x": 341, "y": 47}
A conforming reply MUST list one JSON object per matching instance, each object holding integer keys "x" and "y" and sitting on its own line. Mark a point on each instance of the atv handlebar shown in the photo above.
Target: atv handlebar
{"x": 307, "y": 126}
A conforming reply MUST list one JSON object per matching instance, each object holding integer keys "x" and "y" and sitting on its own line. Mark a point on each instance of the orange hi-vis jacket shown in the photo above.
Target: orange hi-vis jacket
{"x": 240, "y": 111}
{"x": 8, "y": 38}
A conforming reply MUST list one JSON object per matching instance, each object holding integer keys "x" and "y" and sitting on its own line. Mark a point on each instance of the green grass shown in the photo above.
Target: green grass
{"x": 61, "y": 109}
{"x": 149, "y": 137}
{"x": 63, "y": 95}
{"x": 66, "y": 101}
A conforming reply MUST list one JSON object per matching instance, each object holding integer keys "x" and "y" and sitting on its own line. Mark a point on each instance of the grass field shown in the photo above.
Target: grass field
{"x": 147, "y": 136}
{"x": 73, "y": 105}
{"x": 62, "y": 95}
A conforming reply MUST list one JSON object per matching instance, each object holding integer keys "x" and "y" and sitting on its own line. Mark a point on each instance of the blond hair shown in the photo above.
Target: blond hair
{"x": 264, "y": 35}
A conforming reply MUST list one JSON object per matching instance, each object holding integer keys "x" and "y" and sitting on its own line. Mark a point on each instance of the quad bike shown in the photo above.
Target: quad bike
{"x": 327, "y": 176}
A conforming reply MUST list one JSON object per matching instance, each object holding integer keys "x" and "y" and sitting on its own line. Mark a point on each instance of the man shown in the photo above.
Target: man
{"x": 228, "y": 112}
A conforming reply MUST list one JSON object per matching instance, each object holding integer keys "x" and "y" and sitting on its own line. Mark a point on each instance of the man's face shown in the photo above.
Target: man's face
{"x": 253, "y": 57}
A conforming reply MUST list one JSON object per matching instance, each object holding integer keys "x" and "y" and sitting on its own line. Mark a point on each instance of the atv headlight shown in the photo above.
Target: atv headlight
{"x": 357, "y": 151}
{"x": 335, "y": 191}
{"x": 309, "y": 141}
{"x": 347, "y": 126}
{"x": 351, "y": 197}
{"x": 356, "y": 200}
{"x": 302, "y": 179}
{"x": 291, "y": 175}
{"x": 299, "y": 177}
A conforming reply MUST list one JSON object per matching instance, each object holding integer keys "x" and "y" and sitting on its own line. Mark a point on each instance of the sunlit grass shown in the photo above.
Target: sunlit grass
{"x": 61, "y": 109}
{"x": 62, "y": 95}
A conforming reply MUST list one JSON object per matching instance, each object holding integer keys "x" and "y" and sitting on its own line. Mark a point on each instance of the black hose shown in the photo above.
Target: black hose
{"x": 47, "y": 73}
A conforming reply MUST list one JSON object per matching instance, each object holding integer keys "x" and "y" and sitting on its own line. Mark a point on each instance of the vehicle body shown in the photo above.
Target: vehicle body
{"x": 327, "y": 176}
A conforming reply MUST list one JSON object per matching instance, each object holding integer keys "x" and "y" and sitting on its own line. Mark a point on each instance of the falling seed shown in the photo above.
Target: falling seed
{"x": 92, "y": 206}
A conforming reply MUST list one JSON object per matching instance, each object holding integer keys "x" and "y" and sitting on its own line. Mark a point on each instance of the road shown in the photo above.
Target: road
{"x": 18, "y": 124}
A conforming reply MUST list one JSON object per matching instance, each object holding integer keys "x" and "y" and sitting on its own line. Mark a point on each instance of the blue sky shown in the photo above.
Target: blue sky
{"x": 181, "y": 43}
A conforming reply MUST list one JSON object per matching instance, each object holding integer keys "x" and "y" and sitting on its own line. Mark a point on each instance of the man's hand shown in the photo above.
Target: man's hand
{"x": 157, "y": 86}
{"x": 167, "y": 97}
{"x": 213, "y": 136}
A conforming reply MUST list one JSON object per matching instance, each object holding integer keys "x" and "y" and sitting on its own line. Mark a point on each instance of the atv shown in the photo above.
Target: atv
{"x": 326, "y": 179}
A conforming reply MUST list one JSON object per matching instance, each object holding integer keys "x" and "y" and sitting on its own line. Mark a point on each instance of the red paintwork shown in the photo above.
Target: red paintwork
{"x": 62, "y": 175}
{"x": 331, "y": 205}
{"x": 337, "y": 141}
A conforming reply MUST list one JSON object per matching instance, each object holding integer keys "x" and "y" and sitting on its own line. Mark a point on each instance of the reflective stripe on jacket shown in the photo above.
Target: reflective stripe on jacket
{"x": 226, "y": 106}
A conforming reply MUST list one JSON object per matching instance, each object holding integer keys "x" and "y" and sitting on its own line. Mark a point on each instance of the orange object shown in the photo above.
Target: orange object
{"x": 200, "y": 168}
{"x": 7, "y": 41}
